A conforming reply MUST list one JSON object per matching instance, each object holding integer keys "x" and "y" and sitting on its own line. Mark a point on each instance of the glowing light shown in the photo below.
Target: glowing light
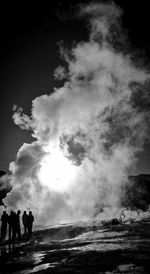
{"x": 57, "y": 172}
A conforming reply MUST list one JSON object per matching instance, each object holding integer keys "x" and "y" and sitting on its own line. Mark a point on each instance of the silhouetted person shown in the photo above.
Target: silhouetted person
{"x": 14, "y": 225}
{"x": 18, "y": 229}
{"x": 11, "y": 224}
{"x": 25, "y": 222}
{"x": 30, "y": 223}
{"x": 4, "y": 220}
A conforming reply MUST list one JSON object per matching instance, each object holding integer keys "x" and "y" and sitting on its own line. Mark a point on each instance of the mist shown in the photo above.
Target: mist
{"x": 95, "y": 119}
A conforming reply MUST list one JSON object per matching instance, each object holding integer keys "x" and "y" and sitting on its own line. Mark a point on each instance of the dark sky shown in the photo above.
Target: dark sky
{"x": 29, "y": 54}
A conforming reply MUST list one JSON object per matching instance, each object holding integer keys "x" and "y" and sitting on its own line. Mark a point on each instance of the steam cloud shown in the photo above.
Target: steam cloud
{"x": 96, "y": 118}
{"x": 5, "y": 185}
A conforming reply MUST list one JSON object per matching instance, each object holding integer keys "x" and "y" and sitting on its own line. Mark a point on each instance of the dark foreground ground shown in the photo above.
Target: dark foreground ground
{"x": 81, "y": 248}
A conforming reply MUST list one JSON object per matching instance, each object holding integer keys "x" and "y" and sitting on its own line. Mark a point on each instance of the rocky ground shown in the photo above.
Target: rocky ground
{"x": 85, "y": 247}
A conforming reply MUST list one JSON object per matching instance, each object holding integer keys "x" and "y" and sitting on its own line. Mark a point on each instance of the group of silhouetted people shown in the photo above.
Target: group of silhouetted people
{"x": 12, "y": 222}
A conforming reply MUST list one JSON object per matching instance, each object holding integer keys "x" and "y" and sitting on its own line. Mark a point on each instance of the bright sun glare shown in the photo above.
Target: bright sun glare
{"x": 57, "y": 172}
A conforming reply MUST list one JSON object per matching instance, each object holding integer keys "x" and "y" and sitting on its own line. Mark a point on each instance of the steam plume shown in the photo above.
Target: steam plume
{"x": 95, "y": 119}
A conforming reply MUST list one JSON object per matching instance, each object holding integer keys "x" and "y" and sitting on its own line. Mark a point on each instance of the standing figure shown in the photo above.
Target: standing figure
{"x": 30, "y": 223}
{"x": 14, "y": 225}
{"x": 122, "y": 217}
{"x": 11, "y": 224}
{"x": 4, "y": 220}
{"x": 25, "y": 222}
{"x": 18, "y": 229}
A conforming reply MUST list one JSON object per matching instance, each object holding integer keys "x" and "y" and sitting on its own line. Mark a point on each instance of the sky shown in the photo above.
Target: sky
{"x": 29, "y": 54}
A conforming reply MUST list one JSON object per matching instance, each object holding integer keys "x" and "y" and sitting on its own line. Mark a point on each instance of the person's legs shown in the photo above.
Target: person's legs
{"x": 18, "y": 233}
{"x": 2, "y": 231}
{"x": 29, "y": 230}
{"x": 14, "y": 232}
{"x": 25, "y": 230}
{"x": 10, "y": 231}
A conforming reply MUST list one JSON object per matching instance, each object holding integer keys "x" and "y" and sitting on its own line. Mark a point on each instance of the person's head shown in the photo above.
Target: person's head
{"x": 30, "y": 212}
{"x": 11, "y": 212}
{"x": 4, "y": 212}
{"x": 24, "y": 213}
{"x": 18, "y": 212}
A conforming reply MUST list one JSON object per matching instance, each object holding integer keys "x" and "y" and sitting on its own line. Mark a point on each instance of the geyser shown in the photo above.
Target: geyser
{"x": 87, "y": 133}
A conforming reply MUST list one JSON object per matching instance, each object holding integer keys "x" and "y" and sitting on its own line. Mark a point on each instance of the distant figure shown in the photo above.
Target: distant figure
{"x": 11, "y": 224}
{"x": 30, "y": 223}
{"x": 18, "y": 229}
{"x": 4, "y": 220}
{"x": 122, "y": 217}
{"x": 25, "y": 223}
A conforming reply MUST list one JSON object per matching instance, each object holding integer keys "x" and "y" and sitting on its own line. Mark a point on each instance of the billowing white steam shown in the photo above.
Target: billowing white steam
{"x": 94, "y": 122}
